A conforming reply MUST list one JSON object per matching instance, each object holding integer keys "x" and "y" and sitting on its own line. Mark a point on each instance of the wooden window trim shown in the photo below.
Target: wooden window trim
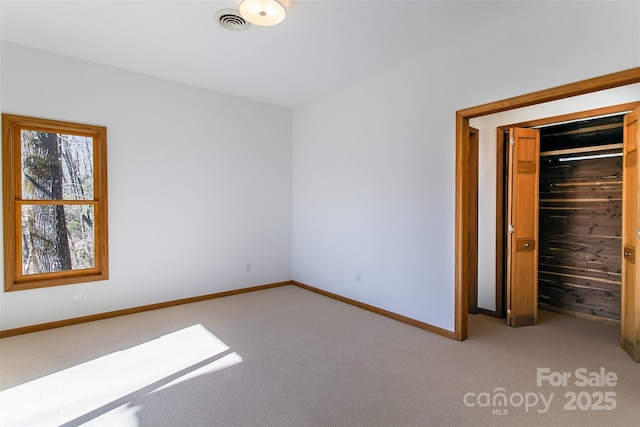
{"x": 11, "y": 168}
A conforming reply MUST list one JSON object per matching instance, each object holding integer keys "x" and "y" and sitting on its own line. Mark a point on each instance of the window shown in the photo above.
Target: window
{"x": 55, "y": 202}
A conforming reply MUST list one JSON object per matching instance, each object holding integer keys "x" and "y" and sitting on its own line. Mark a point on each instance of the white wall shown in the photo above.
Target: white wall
{"x": 487, "y": 126}
{"x": 374, "y": 163}
{"x": 199, "y": 184}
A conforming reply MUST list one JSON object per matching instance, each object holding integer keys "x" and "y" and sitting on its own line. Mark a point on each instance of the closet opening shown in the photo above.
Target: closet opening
{"x": 579, "y": 215}
{"x": 580, "y": 218}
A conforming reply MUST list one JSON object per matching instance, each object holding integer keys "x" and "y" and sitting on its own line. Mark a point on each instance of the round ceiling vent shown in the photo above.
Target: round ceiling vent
{"x": 231, "y": 20}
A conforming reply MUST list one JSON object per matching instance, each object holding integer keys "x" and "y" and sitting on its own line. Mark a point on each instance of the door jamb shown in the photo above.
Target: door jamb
{"x": 474, "y": 149}
{"x": 462, "y": 205}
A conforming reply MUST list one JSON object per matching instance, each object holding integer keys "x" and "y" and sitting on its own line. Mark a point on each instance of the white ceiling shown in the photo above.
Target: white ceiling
{"x": 321, "y": 46}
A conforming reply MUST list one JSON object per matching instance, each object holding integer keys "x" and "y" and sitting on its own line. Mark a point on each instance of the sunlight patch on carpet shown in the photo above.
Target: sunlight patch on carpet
{"x": 92, "y": 389}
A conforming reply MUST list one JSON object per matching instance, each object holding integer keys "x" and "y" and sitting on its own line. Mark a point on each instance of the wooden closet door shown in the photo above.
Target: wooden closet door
{"x": 630, "y": 318}
{"x": 522, "y": 220}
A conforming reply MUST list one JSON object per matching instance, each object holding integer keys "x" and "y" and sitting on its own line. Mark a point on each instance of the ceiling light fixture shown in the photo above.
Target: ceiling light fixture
{"x": 262, "y": 12}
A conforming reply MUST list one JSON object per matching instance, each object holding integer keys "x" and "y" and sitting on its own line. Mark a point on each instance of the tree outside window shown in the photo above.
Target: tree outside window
{"x": 55, "y": 202}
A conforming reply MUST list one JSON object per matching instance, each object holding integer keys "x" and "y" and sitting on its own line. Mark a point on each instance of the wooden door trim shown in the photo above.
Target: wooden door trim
{"x": 604, "y": 111}
{"x": 462, "y": 205}
{"x": 609, "y": 81}
{"x": 474, "y": 151}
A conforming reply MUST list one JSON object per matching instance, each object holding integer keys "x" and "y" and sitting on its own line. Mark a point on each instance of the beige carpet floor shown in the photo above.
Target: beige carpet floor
{"x": 289, "y": 357}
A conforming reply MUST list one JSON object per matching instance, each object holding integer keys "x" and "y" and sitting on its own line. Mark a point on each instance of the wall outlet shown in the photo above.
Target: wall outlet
{"x": 358, "y": 278}
{"x": 247, "y": 267}
{"x": 77, "y": 297}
